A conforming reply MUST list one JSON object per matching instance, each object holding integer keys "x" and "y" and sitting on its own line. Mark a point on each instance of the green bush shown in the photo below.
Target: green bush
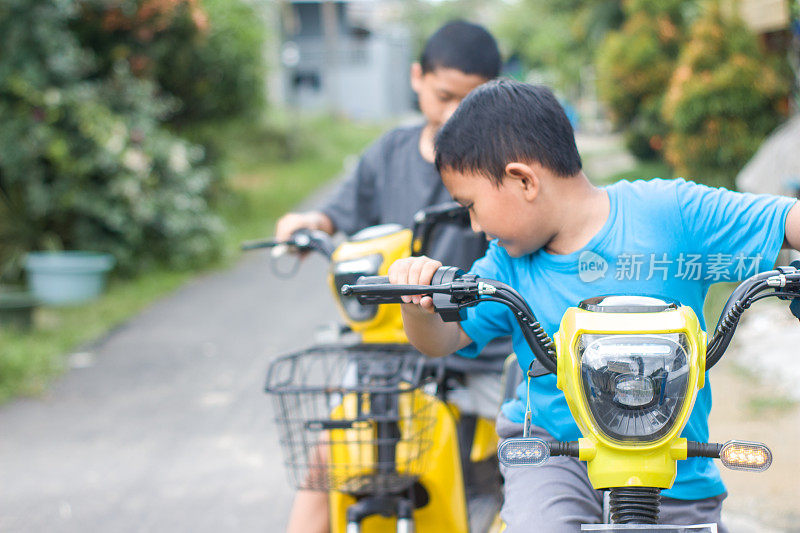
{"x": 635, "y": 65}
{"x": 208, "y": 55}
{"x": 644, "y": 136}
{"x": 557, "y": 36}
{"x": 85, "y": 162}
{"x": 722, "y": 101}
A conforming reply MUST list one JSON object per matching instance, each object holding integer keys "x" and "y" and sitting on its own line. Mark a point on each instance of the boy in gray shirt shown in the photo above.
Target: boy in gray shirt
{"x": 396, "y": 177}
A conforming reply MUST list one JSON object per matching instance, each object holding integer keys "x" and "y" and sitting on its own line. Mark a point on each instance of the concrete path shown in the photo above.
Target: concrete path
{"x": 164, "y": 425}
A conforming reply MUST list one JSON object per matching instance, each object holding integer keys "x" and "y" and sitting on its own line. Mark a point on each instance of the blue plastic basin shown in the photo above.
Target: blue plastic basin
{"x": 64, "y": 278}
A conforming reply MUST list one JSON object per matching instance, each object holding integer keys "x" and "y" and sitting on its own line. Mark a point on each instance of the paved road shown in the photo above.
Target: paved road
{"x": 165, "y": 427}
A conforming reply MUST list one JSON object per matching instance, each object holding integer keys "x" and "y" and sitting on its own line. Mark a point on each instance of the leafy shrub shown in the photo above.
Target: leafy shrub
{"x": 722, "y": 100}
{"x": 635, "y": 65}
{"x": 208, "y": 56}
{"x": 556, "y": 36}
{"x": 644, "y": 136}
{"x": 84, "y": 160}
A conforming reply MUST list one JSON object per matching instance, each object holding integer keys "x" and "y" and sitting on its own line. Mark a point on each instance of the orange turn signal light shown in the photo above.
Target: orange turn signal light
{"x": 744, "y": 455}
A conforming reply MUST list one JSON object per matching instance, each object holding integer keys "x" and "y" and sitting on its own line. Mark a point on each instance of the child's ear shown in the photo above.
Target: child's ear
{"x": 525, "y": 178}
{"x": 416, "y": 77}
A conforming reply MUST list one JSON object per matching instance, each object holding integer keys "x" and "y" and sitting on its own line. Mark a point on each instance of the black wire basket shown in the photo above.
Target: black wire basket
{"x": 353, "y": 418}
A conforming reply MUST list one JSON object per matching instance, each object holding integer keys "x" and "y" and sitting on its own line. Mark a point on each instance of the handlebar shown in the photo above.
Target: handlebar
{"x": 388, "y": 293}
{"x": 425, "y": 220}
{"x": 302, "y": 240}
{"x": 452, "y": 291}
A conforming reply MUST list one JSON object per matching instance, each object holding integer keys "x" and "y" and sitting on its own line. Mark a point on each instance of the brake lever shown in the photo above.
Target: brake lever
{"x": 260, "y": 243}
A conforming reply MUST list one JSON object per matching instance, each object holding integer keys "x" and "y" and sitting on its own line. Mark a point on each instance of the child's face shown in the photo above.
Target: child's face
{"x": 441, "y": 90}
{"x": 508, "y": 213}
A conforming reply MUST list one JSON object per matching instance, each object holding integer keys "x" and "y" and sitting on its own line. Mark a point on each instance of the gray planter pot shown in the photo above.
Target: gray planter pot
{"x": 69, "y": 277}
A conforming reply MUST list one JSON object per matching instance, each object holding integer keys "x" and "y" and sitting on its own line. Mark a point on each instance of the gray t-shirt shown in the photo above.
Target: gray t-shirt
{"x": 392, "y": 182}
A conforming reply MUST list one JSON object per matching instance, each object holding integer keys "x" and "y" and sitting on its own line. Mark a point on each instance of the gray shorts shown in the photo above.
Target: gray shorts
{"x": 558, "y": 497}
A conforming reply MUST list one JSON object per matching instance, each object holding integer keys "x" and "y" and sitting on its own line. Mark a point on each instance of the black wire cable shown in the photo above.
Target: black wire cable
{"x": 779, "y": 294}
{"x": 740, "y": 293}
{"x": 542, "y": 337}
{"x": 740, "y": 300}
{"x": 734, "y": 307}
{"x": 540, "y": 343}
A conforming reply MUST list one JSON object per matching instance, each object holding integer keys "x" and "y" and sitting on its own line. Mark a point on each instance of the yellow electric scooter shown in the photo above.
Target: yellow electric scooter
{"x": 630, "y": 368}
{"x": 370, "y": 420}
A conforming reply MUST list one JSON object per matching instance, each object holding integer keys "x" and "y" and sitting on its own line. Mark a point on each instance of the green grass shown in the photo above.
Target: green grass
{"x": 264, "y": 184}
{"x": 265, "y": 189}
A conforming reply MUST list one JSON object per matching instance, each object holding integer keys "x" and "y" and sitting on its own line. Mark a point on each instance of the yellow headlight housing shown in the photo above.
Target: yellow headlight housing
{"x": 630, "y": 369}
{"x": 370, "y": 252}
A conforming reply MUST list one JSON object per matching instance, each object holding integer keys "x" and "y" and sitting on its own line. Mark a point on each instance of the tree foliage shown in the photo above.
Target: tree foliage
{"x": 634, "y": 66}
{"x": 722, "y": 100}
{"x": 208, "y": 56}
{"x": 558, "y": 36}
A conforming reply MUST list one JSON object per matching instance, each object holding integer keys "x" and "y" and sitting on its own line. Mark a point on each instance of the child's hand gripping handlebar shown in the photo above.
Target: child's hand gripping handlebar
{"x": 452, "y": 291}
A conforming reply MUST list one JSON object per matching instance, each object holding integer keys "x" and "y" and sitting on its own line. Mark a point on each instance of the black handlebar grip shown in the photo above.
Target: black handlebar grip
{"x": 367, "y": 299}
{"x": 389, "y": 294}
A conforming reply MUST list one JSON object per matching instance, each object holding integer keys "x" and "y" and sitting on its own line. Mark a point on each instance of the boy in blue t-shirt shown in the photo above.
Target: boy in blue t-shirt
{"x": 508, "y": 154}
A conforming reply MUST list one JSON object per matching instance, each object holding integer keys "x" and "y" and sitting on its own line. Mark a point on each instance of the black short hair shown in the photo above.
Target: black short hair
{"x": 503, "y": 121}
{"x": 463, "y": 46}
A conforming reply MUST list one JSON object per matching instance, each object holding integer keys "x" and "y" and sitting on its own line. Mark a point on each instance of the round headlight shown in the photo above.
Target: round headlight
{"x": 634, "y": 385}
{"x": 634, "y": 391}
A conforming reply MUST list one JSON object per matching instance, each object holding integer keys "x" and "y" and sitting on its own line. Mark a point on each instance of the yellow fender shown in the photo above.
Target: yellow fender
{"x": 441, "y": 471}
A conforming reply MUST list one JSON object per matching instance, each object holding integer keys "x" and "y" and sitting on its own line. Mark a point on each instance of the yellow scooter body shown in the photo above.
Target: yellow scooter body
{"x": 612, "y": 463}
{"x": 446, "y": 509}
{"x": 442, "y": 478}
{"x": 387, "y": 325}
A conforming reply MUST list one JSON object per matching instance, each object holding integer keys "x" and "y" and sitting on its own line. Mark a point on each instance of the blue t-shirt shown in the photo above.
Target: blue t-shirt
{"x": 669, "y": 238}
